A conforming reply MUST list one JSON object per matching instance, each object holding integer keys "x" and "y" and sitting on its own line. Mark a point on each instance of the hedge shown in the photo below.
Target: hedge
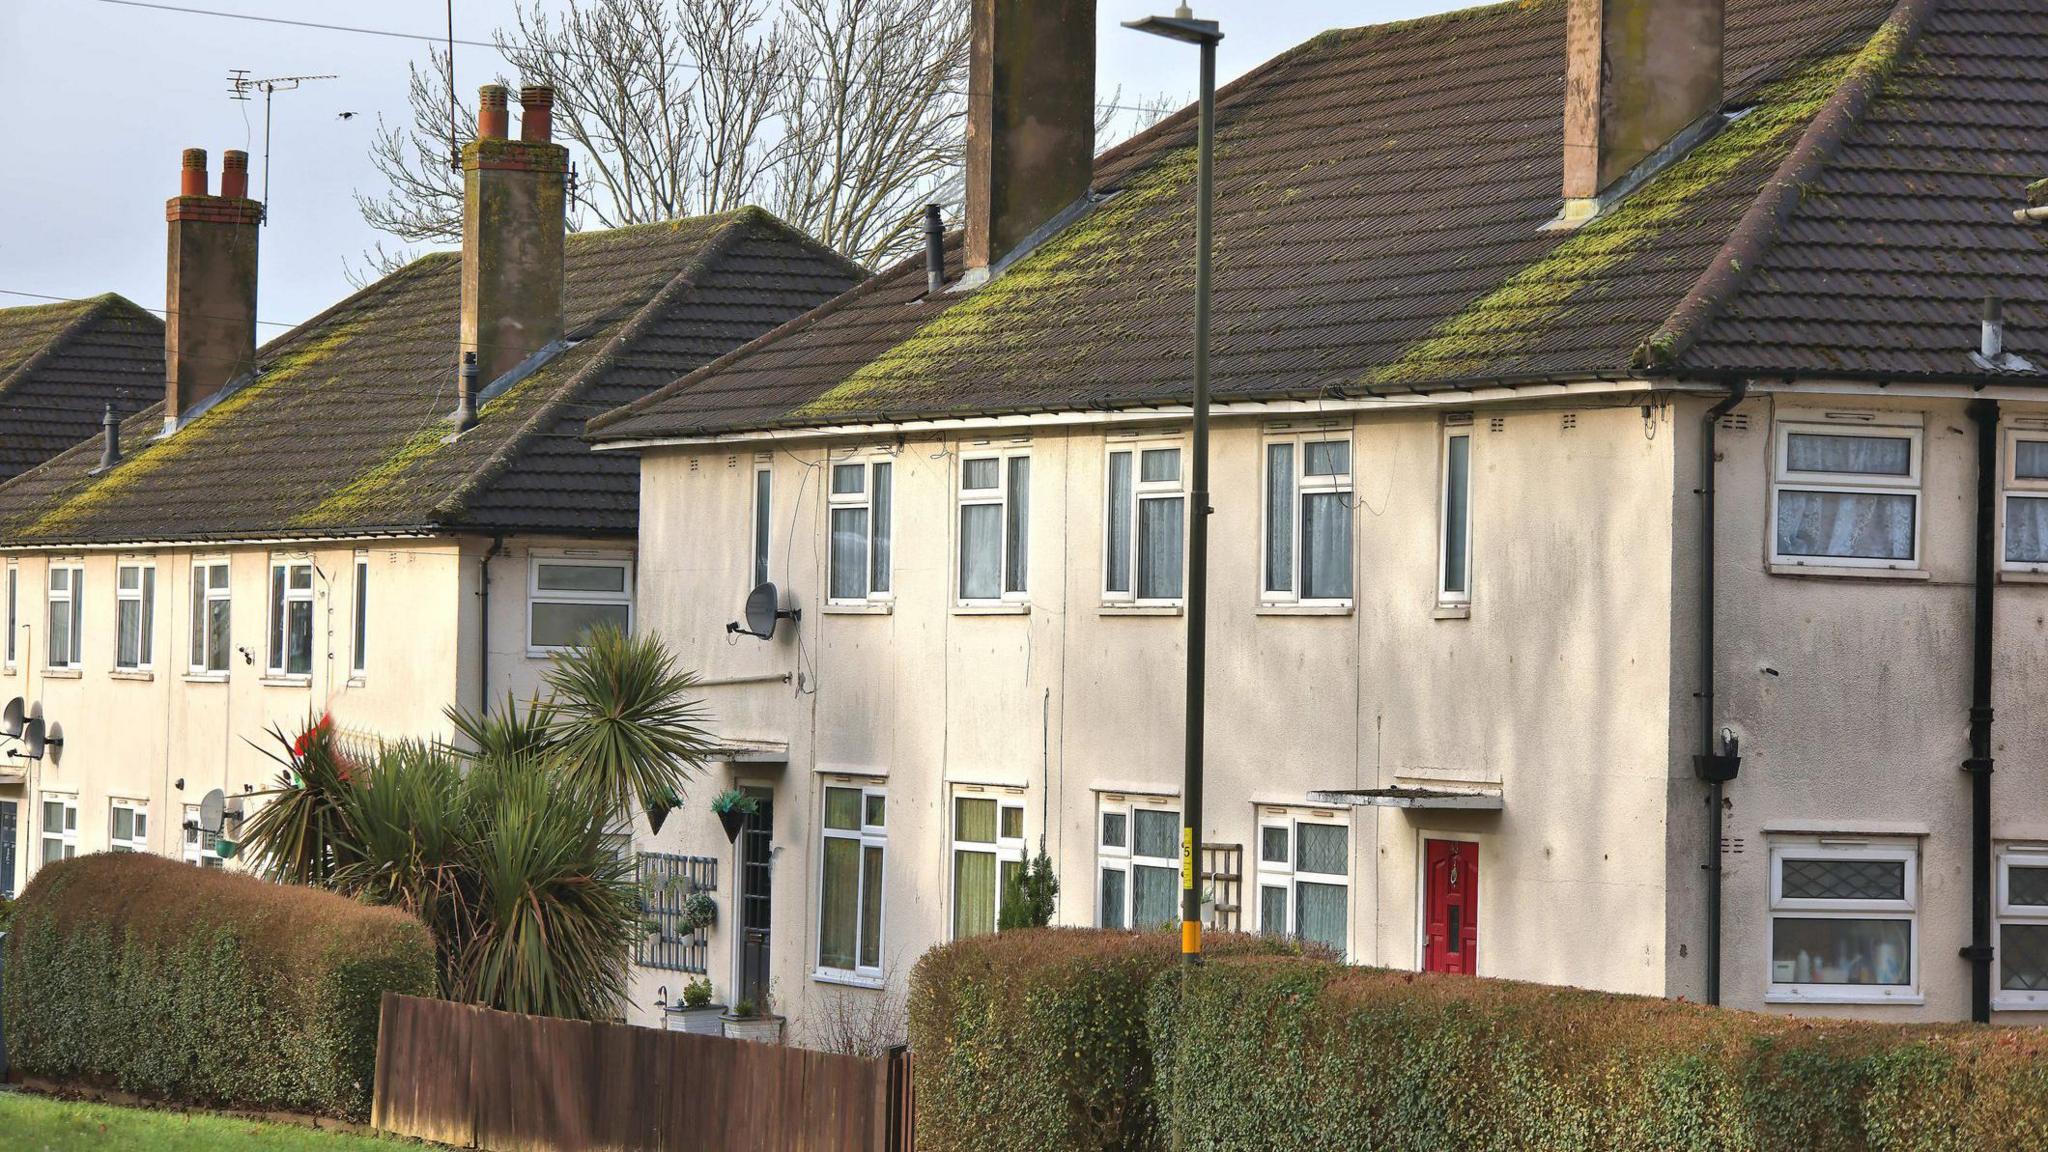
{"x": 201, "y": 986}
{"x": 1037, "y": 1038}
{"x": 1028, "y": 1044}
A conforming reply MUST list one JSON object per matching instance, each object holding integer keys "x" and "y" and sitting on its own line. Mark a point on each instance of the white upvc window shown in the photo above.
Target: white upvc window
{"x": 135, "y": 616}
{"x": 861, "y": 502}
{"x": 2026, "y": 500}
{"x": 1306, "y": 520}
{"x": 1844, "y": 918}
{"x": 1304, "y": 871}
{"x": 60, "y": 827}
{"x": 995, "y": 525}
{"x": 359, "y": 617}
{"x": 1138, "y": 862}
{"x": 128, "y": 825}
{"x": 67, "y": 613}
{"x": 1144, "y": 558}
{"x": 850, "y": 904}
{"x": 2021, "y": 943}
{"x": 202, "y": 848}
{"x": 210, "y": 605}
{"x": 1846, "y": 495}
{"x": 763, "y": 520}
{"x": 567, "y": 596}
{"x": 291, "y": 618}
{"x": 13, "y": 609}
{"x": 1454, "y": 523}
{"x": 988, "y": 850}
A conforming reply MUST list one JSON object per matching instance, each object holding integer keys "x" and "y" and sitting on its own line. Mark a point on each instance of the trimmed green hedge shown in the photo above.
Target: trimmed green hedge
{"x": 141, "y": 973}
{"x": 1022, "y": 1044}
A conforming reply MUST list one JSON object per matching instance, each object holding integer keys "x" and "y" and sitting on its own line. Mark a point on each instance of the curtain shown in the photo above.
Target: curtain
{"x": 1113, "y": 881}
{"x": 1323, "y": 848}
{"x": 199, "y": 632}
{"x": 1866, "y": 455}
{"x": 1017, "y": 558}
{"x": 842, "y": 809}
{"x": 1862, "y": 525}
{"x": 1157, "y": 834}
{"x": 761, "y": 489}
{"x": 871, "y": 906}
{"x": 217, "y": 635}
{"x": 1326, "y": 458}
{"x": 1160, "y": 466}
{"x": 2030, "y": 459}
{"x": 1319, "y": 914}
{"x": 1113, "y": 830}
{"x": 974, "y": 821}
{"x": 981, "y": 549}
{"x": 2026, "y": 529}
{"x": 1116, "y": 560}
{"x": 1325, "y": 546}
{"x": 277, "y": 620}
{"x": 130, "y": 627}
{"x": 1156, "y": 894}
{"x": 839, "y": 906}
{"x": 879, "y": 499}
{"x": 1279, "y": 517}
{"x": 1272, "y": 910}
{"x": 974, "y": 893}
{"x": 1457, "y": 505}
{"x": 1159, "y": 534}
{"x": 849, "y": 553}
{"x": 1273, "y": 845}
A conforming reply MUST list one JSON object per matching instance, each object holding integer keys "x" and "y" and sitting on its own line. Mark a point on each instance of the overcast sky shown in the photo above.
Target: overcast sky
{"x": 101, "y": 98}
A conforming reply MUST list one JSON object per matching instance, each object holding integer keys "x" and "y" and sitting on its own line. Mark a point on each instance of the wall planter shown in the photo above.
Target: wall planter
{"x": 697, "y": 1020}
{"x": 759, "y": 1029}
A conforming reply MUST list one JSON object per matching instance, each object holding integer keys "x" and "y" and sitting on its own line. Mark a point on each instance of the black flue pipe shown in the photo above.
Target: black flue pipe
{"x": 934, "y": 251}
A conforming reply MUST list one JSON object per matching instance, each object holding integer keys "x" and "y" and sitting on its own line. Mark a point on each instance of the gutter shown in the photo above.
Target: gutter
{"x": 1716, "y": 768}
{"x": 1979, "y": 766}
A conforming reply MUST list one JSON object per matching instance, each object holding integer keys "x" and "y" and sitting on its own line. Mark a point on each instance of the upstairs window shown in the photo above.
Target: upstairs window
{"x": 13, "y": 609}
{"x": 135, "y": 611}
{"x": 1143, "y": 525}
{"x": 1138, "y": 863}
{"x": 861, "y": 498}
{"x": 1454, "y": 567}
{"x": 210, "y": 603}
{"x": 128, "y": 829}
{"x": 1847, "y": 496}
{"x": 1843, "y": 920}
{"x": 2026, "y": 501}
{"x": 856, "y": 842}
{"x": 995, "y": 526}
{"x": 764, "y": 490}
{"x": 568, "y": 597}
{"x": 1308, "y": 521}
{"x": 988, "y": 851}
{"x": 359, "y": 632}
{"x": 67, "y": 614}
{"x": 291, "y": 618}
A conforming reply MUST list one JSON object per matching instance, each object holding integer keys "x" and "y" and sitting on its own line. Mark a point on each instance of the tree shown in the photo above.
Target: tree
{"x": 1032, "y": 894}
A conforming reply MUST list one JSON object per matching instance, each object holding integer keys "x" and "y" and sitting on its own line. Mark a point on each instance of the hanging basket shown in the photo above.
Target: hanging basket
{"x": 733, "y": 821}
{"x": 657, "y": 812}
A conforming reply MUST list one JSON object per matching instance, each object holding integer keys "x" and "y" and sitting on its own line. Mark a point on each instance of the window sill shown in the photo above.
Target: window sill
{"x": 1904, "y": 999}
{"x": 357, "y": 681}
{"x": 1305, "y": 610}
{"x": 282, "y": 681}
{"x": 63, "y": 673}
{"x": 875, "y": 608}
{"x": 132, "y": 674}
{"x": 1142, "y": 610}
{"x": 1452, "y": 612}
{"x": 2023, "y": 576}
{"x": 991, "y": 609}
{"x": 2001, "y": 1005}
{"x": 846, "y": 979}
{"x": 1850, "y": 572}
{"x": 205, "y": 677}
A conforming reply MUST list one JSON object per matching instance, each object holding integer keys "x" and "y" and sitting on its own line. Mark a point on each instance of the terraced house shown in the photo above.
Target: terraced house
{"x": 382, "y": 512}
{"x": 1627, "y": 517}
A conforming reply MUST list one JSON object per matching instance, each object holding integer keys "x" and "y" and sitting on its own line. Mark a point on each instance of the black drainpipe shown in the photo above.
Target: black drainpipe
{"x": 1717, "y": 768}
{"x": 1978, "y": 953}
{"x": 483, "y": 654}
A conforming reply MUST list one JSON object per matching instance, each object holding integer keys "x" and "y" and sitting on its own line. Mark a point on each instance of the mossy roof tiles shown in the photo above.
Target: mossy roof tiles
{"x": 62, "y": 364}
{"x": 1381, "y": 200}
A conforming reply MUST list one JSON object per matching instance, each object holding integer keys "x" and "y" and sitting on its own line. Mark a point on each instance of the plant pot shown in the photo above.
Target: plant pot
{"x": 732, "y": 821}
{"x": 702, "y": 1020}
{"x": 759, "y": 1029}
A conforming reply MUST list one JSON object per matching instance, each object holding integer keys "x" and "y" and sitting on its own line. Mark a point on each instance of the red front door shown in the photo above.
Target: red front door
{"x": 1451, "y": 911}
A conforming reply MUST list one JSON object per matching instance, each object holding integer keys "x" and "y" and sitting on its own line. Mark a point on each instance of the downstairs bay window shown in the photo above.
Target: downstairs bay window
{"x": 1137, "y": 862}
{"x": 1844, "y": 916}
{"x": 855, "y": 847}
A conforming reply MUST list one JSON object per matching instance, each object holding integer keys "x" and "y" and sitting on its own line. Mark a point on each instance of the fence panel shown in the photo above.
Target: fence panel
{"x": 475, "y": 1078}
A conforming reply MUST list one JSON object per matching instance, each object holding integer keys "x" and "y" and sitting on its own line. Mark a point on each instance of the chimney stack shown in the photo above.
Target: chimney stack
{"x": 210, "y": 326}
{"x": 1638, "y": 73}
{"x": 514, "y": 211}
{"x": 1030, "y": 120}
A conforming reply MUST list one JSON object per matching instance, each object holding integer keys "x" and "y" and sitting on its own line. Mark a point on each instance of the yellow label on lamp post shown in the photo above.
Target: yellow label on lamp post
{"x": 1187, "y": 859}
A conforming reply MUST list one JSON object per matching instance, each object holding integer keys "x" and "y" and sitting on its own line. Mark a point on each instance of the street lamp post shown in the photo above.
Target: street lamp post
{"x": 1183, "y": 26}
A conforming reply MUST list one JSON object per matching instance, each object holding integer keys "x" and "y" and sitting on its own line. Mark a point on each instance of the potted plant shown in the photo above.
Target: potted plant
{"x": 700, "y": 911}
{"x": 696, "y": 1014}
{"x": 756, "y": 1022}
{"x": 733, "y": 807}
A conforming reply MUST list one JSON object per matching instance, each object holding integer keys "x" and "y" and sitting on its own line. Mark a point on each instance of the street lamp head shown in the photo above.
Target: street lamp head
{"x": 1182, "y": 26}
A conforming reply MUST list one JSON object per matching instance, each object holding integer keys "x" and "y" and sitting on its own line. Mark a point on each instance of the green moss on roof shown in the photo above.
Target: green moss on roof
{"x": 1492, "y": 328}
{"x": 25, "y": 331}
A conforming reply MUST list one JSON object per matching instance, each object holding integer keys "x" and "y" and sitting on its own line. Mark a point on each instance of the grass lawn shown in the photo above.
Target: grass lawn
{"x": 39, "y": 1124}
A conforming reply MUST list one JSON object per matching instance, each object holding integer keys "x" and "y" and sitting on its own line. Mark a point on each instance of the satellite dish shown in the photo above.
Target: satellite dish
{"x": 33, "y": 738}
{"x": 55, "y": 740}
{"x": 12, "y": 720}
{"x": 764, "y": 608}
{"x": 213, "y": 810}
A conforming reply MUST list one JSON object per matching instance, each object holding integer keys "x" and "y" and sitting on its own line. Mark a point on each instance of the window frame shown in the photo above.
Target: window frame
{"x": 1783, "y": 479}
{"x": 1906, "y": 909}
{"x": 13, "y": 614}
{"x": 204, "y": 596}
{"x": 1002, "y": 498}
{"x": 199, "y": 847}
{"x": 2011, "y": 485}
{"x": 1125, "y": 858}
{"x": 1005, "y": 849}
{"x": 867, "y": 836}
{"x": 1288, "y": 876}
{"x": 359, "y": 617}
{"x": 2005, "y": 999}
{"x": 1132, "y": 518}
{"x": 138, "y": 818}
{"x": 1446, "y": 596}
{"x": 761, "y": 521}
{"x": 66, "y": 836}
{"x": 864, "y": 500}
{"x": 279, "y": 601}
{"x": 1343, "y": 485}
{"x": 74, "y": 599}
{"x": 143, "y": 595}
{"x": 535, "y": 596}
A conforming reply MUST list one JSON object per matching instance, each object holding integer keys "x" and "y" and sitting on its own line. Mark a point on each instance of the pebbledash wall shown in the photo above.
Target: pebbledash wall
{"x": 1557, "y": 689}
{"x": 133, "y": 736}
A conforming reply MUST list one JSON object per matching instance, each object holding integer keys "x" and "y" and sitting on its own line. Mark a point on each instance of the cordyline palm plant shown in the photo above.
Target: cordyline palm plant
{"x": 502, "y": 844}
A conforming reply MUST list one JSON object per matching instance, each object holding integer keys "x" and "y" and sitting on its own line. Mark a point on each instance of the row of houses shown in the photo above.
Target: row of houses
{"x": 1629, "y": 515}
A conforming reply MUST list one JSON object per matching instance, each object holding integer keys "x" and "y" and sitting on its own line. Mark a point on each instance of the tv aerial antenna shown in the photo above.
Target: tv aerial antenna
{"x": 241, "y": 84}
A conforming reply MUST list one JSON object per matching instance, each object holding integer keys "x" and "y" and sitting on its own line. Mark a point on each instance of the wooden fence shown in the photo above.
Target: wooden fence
{"x": 474, "y": 1078}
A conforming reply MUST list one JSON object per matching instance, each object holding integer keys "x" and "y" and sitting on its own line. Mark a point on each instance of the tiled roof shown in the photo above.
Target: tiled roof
{"x": 1381, "y": 201}
{"x": 342, "y": 430}
{"x": 62, "y": 364}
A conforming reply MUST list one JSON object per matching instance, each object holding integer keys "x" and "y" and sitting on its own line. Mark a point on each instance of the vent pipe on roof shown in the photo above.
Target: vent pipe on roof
{"x": 110, "y": 449}
{"x": 1992, "y": 344}
{"x": 1030, "y": 120}
{"x": 464, "y": 416}
{"x": 1638, "y": 73}
{"x": 210, "y": 292}
{"x": 934, "y": 251}
{"x": 514, "y": 210}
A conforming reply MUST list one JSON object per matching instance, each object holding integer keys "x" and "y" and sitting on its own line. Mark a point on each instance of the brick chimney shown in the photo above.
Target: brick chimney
{"x": 514, "y": 208}
{"x": 1030, "y": 119}
{"x": 210, "y": 326}
{"x": 1638, "y": 73}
